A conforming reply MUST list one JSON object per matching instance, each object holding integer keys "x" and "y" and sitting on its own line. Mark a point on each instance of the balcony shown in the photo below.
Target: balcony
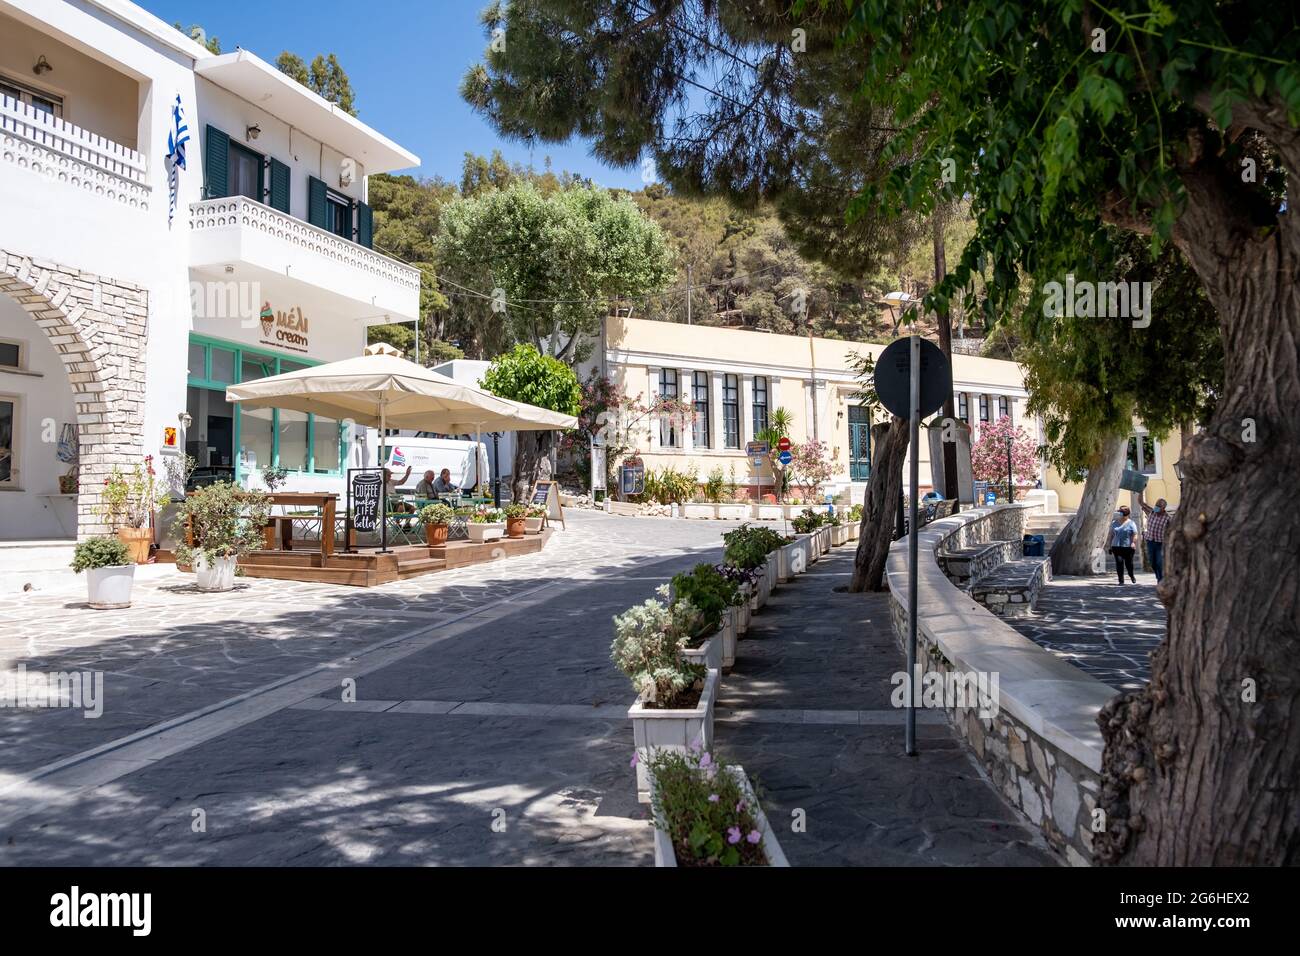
{"x": 239, "y": 238}
{"x": 35, "y": 140}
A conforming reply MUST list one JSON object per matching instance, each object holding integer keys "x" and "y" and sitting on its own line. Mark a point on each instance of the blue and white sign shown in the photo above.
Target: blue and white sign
{"x": 785, "y": 458}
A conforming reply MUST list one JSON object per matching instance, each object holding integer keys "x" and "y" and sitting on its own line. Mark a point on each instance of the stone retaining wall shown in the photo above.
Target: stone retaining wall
{"x": 971, "y": 564}
{"x": 1011, "y": 589}
{"x": 1038, "y": 741}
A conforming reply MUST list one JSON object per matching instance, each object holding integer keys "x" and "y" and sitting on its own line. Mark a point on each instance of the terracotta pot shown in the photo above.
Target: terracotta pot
{"x": 435, "y": 535}
{"x": 138, "y": 540}
{"x": 515, "y": 527}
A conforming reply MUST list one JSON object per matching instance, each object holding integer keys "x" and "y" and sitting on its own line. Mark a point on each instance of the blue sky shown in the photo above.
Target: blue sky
{"x": 405, "y": 59}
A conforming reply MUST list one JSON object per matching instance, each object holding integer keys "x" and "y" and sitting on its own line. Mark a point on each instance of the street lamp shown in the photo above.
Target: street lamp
{"x": 1011, "y": 491}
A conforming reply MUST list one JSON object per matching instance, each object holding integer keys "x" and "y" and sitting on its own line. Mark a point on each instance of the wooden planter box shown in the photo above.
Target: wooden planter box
{"x": 671, "y": 730}
{"x": 666, "y": 856}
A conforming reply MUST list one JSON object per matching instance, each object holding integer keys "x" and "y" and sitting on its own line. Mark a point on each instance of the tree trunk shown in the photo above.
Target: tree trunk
{"x": 531, "y": 449}
{"x": 878, "y": 510}
{"x": 1202, "y": 767}
{"x": 1072, "y": 551}
{"x": 944, "y": 321}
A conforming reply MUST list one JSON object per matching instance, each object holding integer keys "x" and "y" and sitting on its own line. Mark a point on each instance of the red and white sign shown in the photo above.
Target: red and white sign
{"x": 783, "y": 444}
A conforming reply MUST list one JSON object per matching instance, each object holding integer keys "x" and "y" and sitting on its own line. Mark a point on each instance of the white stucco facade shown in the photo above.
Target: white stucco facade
{"x": 107, "y": 305}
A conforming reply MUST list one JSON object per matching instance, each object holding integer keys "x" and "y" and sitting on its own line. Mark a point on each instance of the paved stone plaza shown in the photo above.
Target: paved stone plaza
{"x": 1102, "y": 627}
{"x": 489, "y": 726}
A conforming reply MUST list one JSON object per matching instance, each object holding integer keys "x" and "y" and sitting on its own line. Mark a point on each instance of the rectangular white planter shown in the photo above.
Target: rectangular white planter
{"x": 665, "y": 855}
{"x": 671, "y": 730}
{"x": 735, "y": 512}
{"x": 742, "y": 610}
{"x": 854, "y": 529}
{"x": 773, "y": 562}
{"x": 729, "y": 634}
{"x": 839, "y": 534}
{"x": 768, "y": 512}
{"x": 479, "y": 533}
{"x": 533, "y": 525}
{"x": 709, "y": 653}
{"x": 697, "y": 509}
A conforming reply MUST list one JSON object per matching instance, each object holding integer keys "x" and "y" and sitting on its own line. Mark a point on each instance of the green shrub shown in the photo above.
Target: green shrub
{"x": 715, "y": 486}
{"x": 708, "y": 593}
{"x": 436, "y": 514}
{"x": 516, "y": 511}
{"x": 101, "y": 552}
{"x": 748, "y": 546}
{"x": 226, "y": 521}
{"x": 647, "y": 649}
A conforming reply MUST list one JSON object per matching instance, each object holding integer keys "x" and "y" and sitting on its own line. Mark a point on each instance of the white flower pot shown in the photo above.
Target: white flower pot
{"x": 699, "y": 509}
{"x": 734, "y": 512}
{"x": 665, "y": 855}
{"x": 709, "y": 653}
{"x": 768, "y": 512}
{"x": 773, "y": 565}
{"x": 839, "y": 534}
{"x": 854, "y": 529}
{"x": 729, "y": 633}
{"x": 671, "y": 730}
{"x": 742, "y": 610}
{"x": 479, "y": 533}
{"x": 109, "y": 588}
{"x": 533, "y": 525}
{"x": 218, "y": 576}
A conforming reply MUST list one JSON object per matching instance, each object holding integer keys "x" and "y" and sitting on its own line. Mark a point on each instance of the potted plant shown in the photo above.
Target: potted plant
{"x": 706, "y": 815}
{"x": 128, "y": 503}
{"x": 436, "y": 519}
{"x": 217, "y": 524}
{"x": 535, "y": 519}
{"x": 675, "y": 699}
{"x": 711, "y": 596}
{"x": 486, "y": 524}
{"x": 109, "y": 571}
{"x": 515, "y": 517}
{"x": 855, "y": 522}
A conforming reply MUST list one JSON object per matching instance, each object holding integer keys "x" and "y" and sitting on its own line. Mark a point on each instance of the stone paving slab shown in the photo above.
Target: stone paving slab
{"x": 1101, "y": 627}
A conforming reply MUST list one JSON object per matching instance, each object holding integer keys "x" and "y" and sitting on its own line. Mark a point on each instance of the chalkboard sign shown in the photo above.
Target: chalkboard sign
{"x": 367, "y": 489}
{"x": 547, "y": 494}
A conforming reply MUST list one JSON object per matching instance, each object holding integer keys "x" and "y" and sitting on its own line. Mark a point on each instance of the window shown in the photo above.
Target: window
{"x": 667, "y": 425}
{"x": 1142, "y": 454}
{"x": 700, "y": 397}
{"x": 984, "y": 408}
{"x": 1004, "y": 407}
{"x": 338, "y": 215}
{"x": 11, "y": 354}
{"x": 8, "y": 430}
{"x": 730, "y": 412}
{"x": 760, "y": 404}
{"x": 963, "y": 407}
{"x": 245, "y": 173}
{"x": 37, "y": 99}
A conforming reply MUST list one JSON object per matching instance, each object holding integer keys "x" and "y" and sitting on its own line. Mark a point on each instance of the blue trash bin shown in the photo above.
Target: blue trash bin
{"x": 1035, "y": 546}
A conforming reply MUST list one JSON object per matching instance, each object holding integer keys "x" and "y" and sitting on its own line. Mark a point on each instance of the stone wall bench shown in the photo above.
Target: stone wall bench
{"x": 962, "y": 565}
{"x": 1037, "y": 737}
{"x": 1011, "y": 589}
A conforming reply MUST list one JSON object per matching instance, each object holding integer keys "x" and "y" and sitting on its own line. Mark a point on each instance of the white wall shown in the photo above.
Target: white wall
{"x": 45, "y": 395}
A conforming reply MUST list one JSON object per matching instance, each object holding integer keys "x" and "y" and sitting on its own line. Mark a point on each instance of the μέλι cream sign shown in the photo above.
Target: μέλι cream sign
{"x": 284, "y": 329}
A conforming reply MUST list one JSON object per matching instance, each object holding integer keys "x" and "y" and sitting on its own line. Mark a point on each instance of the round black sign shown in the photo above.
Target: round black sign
{"x": 893, "y": 377}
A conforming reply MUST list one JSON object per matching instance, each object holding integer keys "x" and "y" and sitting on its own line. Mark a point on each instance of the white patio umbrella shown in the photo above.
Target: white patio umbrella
{"x": 382, "y": 389}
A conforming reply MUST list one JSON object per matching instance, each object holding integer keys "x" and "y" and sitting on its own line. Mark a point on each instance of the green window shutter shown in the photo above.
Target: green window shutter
{"x": 279, "y": 185}
{"x": 216, "y": 164}
{"x": 316, "y": 202}
{"x": 365, "y": 226}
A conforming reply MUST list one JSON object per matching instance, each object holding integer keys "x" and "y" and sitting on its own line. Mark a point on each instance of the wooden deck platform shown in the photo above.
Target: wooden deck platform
{"x": 367, "y": 569}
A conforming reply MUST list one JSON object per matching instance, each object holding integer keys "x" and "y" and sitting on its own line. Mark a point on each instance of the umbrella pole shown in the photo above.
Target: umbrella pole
{"x": 383, "y": 486}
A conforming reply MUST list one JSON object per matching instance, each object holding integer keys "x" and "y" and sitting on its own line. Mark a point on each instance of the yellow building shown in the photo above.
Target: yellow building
{"x": 737, "y": 378}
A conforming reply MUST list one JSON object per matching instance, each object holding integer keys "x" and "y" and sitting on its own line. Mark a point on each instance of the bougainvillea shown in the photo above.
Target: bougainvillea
{"x": 988, "y": 456}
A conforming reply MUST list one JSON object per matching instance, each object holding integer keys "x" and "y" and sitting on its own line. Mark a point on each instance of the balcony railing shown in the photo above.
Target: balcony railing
{"x": 35, "y": 140}
{"x": 244, "y": 213}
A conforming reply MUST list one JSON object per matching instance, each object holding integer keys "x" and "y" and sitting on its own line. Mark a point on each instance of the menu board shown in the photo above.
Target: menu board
{"x": 367, "y": 489}
{"x": 547, "y": 494}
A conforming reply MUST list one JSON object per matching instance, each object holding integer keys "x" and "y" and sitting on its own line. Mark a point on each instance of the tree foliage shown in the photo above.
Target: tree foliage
{"x": 526, "y": 375}
{"x": 324, "y": 77}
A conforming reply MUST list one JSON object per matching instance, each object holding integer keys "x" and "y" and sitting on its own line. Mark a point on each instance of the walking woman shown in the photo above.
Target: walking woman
{"x": 1123, "y": 532}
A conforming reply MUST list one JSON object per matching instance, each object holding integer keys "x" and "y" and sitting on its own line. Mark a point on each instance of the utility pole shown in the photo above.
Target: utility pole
{"x": 690, "y": 281}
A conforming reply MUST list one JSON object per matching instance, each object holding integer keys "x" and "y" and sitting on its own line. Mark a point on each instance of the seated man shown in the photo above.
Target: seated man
{"x": 443, "y": 485}
{"x": 390, "y": 489}
{"x": 425, "y": 488}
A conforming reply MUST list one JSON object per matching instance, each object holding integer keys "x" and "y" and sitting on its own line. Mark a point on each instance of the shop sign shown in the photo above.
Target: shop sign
{"x": 285, "y": 330}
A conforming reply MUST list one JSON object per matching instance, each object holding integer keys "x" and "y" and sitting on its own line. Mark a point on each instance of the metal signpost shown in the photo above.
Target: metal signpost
{"x": 917, "y": 369}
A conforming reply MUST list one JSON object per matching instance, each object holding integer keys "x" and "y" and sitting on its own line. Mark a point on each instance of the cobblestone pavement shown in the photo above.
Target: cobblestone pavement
{"x": 1106, "y": 629}
{"x": 488, "y": 728}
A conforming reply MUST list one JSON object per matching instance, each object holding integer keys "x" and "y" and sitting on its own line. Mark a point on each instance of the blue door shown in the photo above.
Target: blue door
{"x": 859, "y": 443}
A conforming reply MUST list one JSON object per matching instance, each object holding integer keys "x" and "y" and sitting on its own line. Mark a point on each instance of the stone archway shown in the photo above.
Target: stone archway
{"x": 99, "y": 327}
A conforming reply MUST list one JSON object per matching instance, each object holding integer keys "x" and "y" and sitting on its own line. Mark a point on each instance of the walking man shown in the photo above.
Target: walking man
{"x": 1157, "y": 526}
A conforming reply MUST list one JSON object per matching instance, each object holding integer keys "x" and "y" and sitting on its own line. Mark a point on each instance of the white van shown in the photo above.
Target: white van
{"x": 432, "y": 454}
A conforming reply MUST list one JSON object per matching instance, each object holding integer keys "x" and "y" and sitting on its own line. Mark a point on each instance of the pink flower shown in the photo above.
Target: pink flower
{"x": 740, "y": 807}
{"x": 713, "y": 798}
{"x": 754, "y": 836}
{"x": 636, "y": 758}
{"x": 706, "y": 760}
{"x": 733, "y": 835}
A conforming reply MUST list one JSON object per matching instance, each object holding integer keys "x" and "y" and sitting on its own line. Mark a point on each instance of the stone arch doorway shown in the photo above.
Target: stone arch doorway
{"x": 98, "y": 326}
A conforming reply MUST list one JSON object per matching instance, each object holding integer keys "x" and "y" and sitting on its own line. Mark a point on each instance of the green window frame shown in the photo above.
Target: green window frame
{"x": 205, "y": 380}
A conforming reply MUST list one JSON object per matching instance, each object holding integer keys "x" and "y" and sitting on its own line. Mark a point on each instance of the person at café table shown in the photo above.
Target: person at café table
{"x": 425, "y": 488}
{"x": 390, "y": 489}
{"x": 443, "y": 485}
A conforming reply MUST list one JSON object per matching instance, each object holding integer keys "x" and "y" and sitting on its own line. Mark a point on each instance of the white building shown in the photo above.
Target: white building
{"x": 126, "y": 321}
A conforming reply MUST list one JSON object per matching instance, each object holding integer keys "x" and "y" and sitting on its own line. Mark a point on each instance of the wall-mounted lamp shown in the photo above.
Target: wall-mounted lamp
{"x": 253, "y": 131}
{"x": 42, "y": 65}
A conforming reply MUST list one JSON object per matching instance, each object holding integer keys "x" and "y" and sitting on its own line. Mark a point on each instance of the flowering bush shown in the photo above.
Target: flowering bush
{"x": 129, "y": 500}
{"x": 536, "y": 511}
{"x": 436, "y": 514}
{"x": 488, "y": 516}
{"x": 739, "y": 576}
{"x": 810, "y": 520}
{"x": 811, "y": 466}
{"x": 648, "y": 639}
{"x": 704, "y": 811}
{"x": 988, "y": 456}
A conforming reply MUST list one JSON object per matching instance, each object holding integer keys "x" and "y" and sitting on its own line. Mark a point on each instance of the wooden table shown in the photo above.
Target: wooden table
{"x": 326, "y": 502}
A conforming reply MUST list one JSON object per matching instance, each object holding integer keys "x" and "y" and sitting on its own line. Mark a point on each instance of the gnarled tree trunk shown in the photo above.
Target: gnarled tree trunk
{"x": 881, "y": 504}
{"x": 1203, "y": 766}
{"x": 531, "y": 449}
{"x": 1072, "y": 550}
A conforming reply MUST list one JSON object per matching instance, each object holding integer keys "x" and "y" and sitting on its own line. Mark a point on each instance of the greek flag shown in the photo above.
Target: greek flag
{"x": 176, "y": 140}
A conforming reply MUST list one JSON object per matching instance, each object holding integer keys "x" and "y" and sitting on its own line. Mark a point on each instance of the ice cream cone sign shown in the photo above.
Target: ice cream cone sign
{"x": 268, "y": 319}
